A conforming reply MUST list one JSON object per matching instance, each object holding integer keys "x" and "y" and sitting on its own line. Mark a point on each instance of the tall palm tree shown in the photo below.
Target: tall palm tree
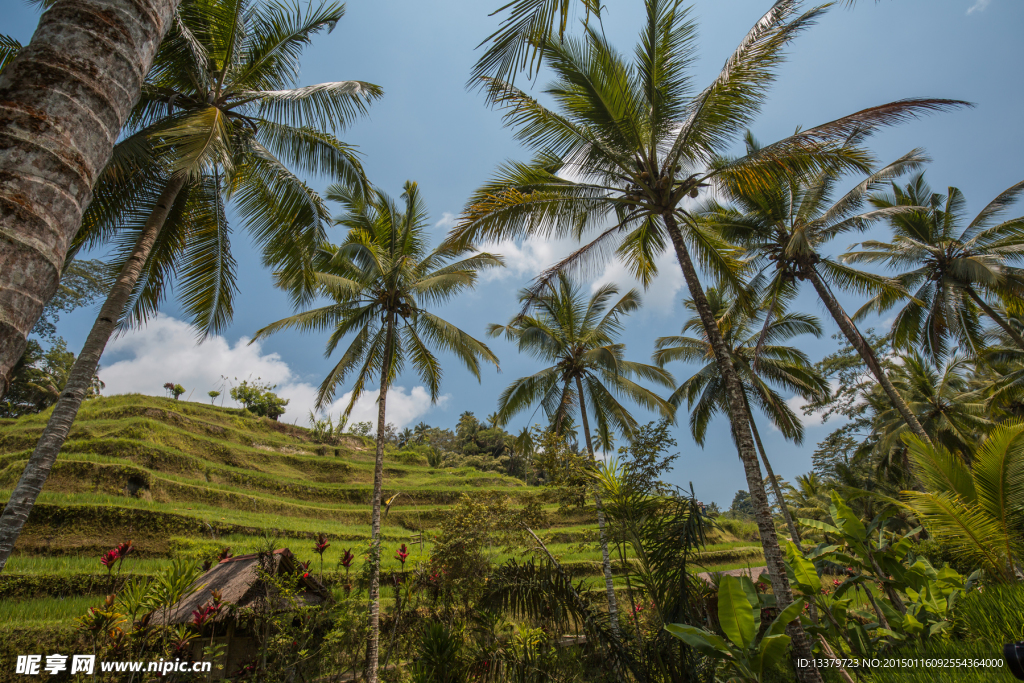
{"x": 212, "y": 124}
{"x": 784, "y": 228}
{"x": 383, "y": 279}
{"x": 69, "y": 91}
{"x": 630, "y": 141}
{"x": 951, "y": 269}
{"x": 776, "y": 364}
{"x": 587, "y": 369}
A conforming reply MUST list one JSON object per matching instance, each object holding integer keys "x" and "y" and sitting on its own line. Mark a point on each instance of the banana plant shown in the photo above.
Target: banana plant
{"x": 915, "y": 601}
{"x": 745, "y": 658}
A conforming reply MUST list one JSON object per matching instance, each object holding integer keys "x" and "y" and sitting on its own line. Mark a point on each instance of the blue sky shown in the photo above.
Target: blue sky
{"x": 428, "y": 128}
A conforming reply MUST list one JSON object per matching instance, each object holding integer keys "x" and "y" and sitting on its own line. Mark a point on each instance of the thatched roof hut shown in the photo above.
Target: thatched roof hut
{"x": 237, "y": 581}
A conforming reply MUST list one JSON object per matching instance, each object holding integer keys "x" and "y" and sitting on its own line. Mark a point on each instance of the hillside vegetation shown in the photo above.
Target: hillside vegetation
{"x": 182, "y": 479}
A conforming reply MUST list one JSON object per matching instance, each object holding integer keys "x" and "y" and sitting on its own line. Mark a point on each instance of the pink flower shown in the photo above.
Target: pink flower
{"x": 402, "y": 554}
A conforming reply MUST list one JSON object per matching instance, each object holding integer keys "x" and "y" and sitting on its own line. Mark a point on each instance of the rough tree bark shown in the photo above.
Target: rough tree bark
{"x": 867, "y": 353}
{"x": 373, "y": 646}
{"x": 37, "y": 469}
{"x": 63, "y": 101}
{"x": 739, "y": 421}
{"x": 790, "y": 524}
{"x": 606, "y": 560}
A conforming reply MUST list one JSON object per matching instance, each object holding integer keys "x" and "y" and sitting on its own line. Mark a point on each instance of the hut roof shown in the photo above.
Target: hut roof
{"x": 237, "y": 580}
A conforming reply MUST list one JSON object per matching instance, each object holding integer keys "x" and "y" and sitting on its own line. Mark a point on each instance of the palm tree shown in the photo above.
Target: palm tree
{"x": 198, "y": 135}
{"x": 952, "y": 270}
{"x": 381, "y": 280}
{"x": 975, "y": 508}
{"x": 630, "y": 142}
{"x": 587, "y": 369}
{"x": 949, "y": 408}
{"x": 776, "y": 364}
{"x": 54, "y": 145}
{"x": 783, "y": 228}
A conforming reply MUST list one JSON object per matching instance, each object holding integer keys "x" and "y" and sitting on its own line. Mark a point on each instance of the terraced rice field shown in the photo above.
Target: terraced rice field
{"x": 184, "y": 479}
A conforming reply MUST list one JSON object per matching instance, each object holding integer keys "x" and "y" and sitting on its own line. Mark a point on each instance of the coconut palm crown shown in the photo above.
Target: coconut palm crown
{"x": 951, "y": 269}
{"x": 221, "y": 117}
{"x": 576, "y": 335}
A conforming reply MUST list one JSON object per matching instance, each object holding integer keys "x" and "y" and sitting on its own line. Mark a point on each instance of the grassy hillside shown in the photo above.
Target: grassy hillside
{"x": 184, "y": 479}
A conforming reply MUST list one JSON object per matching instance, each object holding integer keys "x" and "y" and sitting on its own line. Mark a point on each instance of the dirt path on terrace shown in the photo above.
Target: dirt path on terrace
{"x": 752, "y": 572}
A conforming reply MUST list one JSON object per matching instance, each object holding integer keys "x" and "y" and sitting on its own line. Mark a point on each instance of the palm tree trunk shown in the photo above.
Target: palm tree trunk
{"x": 373, "y": 647}
{"x": 64, "y": 99}
{"x": 775, "y": 482}
{"x": 739, "y": 421}
{"x": 999, "y": 320}
{"x": 24, "y": 496}
{"x": 867, "y": 353}
{"x": 606, "y": 561}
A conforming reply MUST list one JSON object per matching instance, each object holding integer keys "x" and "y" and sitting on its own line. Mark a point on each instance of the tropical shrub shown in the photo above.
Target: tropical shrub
{"x": 259, "y": 399}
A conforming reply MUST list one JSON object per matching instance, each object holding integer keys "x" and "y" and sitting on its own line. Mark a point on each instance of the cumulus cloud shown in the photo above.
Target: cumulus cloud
{"x": 525, "y": 259}
{"x": 166, "y": 350}
{"x": 978, "y": 6}
{"x": 447, "y": 222}
{"x": 664, "y": 290}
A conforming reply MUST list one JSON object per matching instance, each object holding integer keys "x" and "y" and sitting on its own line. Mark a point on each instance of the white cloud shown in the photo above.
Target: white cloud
{"x": 978, "y": 6}
{"x": 664, "y": 290}
{"x": 166, "y": 351}
{"x": 526, "y": 259}
{"x": 448, "y": 221}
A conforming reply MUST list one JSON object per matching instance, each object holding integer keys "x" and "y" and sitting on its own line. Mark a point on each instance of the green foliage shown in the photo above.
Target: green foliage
{"x": 743, "y": 655}
{"x": 979, "y": 509}
{"x": 259, "y": 398}
{"x": 323, "y": 430}
{"x": 39, "y": 377}
{"x": 741, "y": 504}
{"x": 915, "y": 602}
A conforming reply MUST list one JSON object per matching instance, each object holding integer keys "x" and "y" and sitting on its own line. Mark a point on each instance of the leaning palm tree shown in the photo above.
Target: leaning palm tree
{"x": 630, "y": 141}
{"x": 784, "y": 229}
{"x": 67, "y": 94}
{"x": 576, "y": 335}
{"x": 952, "y": 270}
{"x": 775, "y": 364}
{"x": 213, "y": 125}
{"x": 978, "y": 509}
{"x": 382, "y": 280}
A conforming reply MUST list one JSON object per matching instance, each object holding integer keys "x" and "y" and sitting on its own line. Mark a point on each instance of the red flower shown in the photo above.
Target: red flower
{"x": 124, "y": 549}
{"x": 321, "y": 544}
{"x": 202, "y": 615}
{"x": 305, "y": 575}
{"x": 402, "y": 554}
{"x": 346, "y": 559}
{"x": 109, "y": 558}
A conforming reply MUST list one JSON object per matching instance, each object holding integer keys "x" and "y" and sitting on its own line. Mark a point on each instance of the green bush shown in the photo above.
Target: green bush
{"x": 743, "y": 530}
{"x": 260, "y": 399}
{"x": 408, "y": 457}
{"x": 940, "y": 553}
